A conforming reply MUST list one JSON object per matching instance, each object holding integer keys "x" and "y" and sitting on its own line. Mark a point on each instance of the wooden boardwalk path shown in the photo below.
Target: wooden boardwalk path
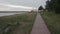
{"x": 39, "y": 27}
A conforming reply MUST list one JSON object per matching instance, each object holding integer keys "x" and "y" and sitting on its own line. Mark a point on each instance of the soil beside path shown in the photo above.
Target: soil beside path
{"x": 39, "y": 27}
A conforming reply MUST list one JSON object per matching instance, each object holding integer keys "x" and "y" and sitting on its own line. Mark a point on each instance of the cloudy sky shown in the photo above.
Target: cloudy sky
{"x": 20, "y": 4}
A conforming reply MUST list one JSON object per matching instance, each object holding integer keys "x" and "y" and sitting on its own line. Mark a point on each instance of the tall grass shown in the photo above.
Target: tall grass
{"x": 52, "y": 21}
{"x": 19, "y": 24}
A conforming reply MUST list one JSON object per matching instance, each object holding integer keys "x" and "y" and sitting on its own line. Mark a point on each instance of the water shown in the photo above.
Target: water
{"x": 7, "y": 14}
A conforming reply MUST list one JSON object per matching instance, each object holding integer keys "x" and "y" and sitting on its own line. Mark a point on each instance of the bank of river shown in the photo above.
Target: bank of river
{"x": 7, "y": 14}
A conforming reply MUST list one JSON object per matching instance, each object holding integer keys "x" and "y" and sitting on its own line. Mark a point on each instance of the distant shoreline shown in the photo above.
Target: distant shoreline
{"x": 7, "y": 13}
{"x": 14, "y": 11}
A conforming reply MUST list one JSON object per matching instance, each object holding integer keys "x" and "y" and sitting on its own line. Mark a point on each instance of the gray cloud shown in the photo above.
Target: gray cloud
{"x": 34, "y": 3}
{"x": 31, "y": 3}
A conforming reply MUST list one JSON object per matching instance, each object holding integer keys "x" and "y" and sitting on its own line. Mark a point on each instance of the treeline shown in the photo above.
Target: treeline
{"x": 53, "y": 5}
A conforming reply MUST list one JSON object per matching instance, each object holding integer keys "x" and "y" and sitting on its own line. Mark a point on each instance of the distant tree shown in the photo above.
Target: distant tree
{"x": 48, "y": 5}
{"x": 40, "y": 8}
{"x": 57, "y": 6}
{"x": 53, "y": 5}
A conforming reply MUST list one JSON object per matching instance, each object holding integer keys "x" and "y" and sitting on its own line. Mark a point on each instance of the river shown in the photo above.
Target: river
{"x": 7, "y": 14}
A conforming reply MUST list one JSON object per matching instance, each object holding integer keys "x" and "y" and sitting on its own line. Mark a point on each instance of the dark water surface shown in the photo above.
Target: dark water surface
{"x": 7, "y": 14}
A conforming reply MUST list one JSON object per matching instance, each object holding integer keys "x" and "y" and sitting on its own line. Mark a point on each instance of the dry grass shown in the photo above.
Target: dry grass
{"x": 53, "y": 21}
{"x": 20, "y": 23}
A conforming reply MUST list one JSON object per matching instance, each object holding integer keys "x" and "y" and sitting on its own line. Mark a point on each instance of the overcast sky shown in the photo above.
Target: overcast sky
{"x": 21, "y": 4}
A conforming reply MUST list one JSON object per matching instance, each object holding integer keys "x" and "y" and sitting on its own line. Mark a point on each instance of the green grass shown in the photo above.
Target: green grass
{"x": 19, "y": 24}
{"x": 52, "y": 21}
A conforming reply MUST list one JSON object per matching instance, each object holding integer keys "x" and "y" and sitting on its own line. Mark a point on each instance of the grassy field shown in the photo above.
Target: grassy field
{"x": 17, "y": 24}
{"x": 52, "y": 21}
